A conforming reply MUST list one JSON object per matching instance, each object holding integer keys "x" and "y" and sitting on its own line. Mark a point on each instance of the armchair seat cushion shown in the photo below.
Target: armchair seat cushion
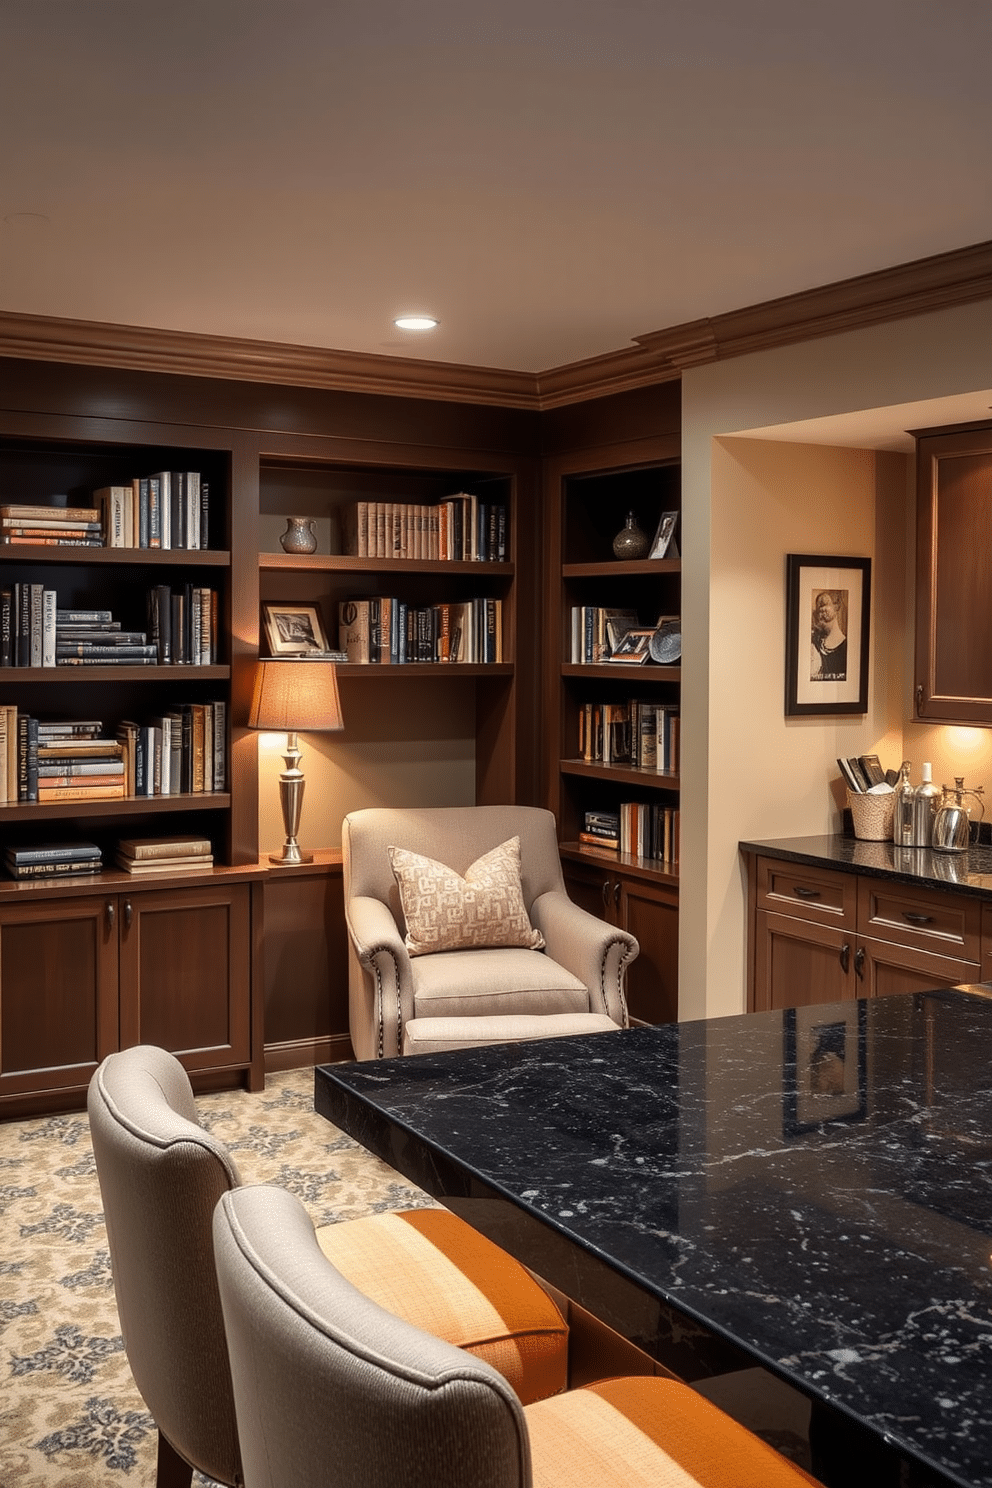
{"x": 435, "y": 1035}
{"x": 493, "y": 983}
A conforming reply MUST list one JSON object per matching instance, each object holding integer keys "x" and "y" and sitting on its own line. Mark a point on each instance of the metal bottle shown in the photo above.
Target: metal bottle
{"x": 902, "y": 816}
{"x": 926, "y": 799}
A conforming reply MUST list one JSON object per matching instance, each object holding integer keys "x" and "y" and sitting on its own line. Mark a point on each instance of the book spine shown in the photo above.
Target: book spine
{"x": 36, "y": 620}
{"x": 84, "y": 617}
{"x": 114, "y": 792}
{"x": 165, "y": 507}
{"x": 143, "y": 512}
{"x": 6, "y": 626}
{"x": 193, "y": 509}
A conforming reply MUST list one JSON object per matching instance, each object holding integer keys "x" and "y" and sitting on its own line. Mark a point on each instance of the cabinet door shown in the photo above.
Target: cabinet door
{"x": 58, "y": 993}
{"x": 797, "y": 964}
{"x": 651, "y": 915}
{"x": 185, "y": 968}
{"x": 596, "y": 890}
{"x": 884, "y": 969}
{"x": 954, "y": 577}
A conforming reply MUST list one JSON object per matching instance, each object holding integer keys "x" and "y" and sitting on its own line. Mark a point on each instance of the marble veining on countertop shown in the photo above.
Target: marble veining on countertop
{"x": 969, "y": 872}
{"x": 814, "y": 1185}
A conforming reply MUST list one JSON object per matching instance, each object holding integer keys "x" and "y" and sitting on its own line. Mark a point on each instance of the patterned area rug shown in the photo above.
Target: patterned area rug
{"x": 69, "y": 1411}
{"x": 70, "y": 1415}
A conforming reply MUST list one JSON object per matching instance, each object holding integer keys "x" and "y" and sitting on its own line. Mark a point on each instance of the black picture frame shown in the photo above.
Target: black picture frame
{"x": 827, "y": 626}
{"x": 293, "y": 629}
{"x": 825, "y": 1066}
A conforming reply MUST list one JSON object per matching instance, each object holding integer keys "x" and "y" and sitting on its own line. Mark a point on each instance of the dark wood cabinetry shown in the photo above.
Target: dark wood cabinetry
{"x": 953, "y": 682}
{"x": 819, "y": 935}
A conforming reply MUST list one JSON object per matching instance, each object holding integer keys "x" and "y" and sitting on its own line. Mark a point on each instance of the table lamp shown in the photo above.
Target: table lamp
{"x": 294, "y": 695}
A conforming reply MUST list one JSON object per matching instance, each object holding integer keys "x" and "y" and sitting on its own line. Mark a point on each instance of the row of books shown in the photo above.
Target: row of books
{"x": 34, "y": 632}
{"x": 183, "y": 751}
{"x": 167, "y": 510}
{"x": 641, "y": 829}
{"x": 140, "y": 856}
{"x": 639, "y": 732}
{"x": 384, "y": 630}
{"x": 50, "y": 526}
{"x": 461, "y": 529}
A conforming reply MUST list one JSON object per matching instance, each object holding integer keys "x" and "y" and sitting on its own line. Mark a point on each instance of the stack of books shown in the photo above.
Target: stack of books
{"x": 51, "y": 526}
{"x": 52, "y": 860}
{"x": 650, "y": 831}
{"x": 167, "y": 510}
{"x": 95, "y": 638}
{"x": 71, "y": 762}
{"x": 601, "y": 829}
{"x": 182, "y": 751}
{"x": 182, "y": 625}
{"x": 148, "y": 856}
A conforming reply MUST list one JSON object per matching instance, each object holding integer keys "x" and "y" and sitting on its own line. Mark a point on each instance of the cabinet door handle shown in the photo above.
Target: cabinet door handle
{"x": 917, "y": 919}
{"x": 606, "y": 893}
{"x": 859, "y": 962}
{"x": 128, "y": 913}
{"x": 845, "y": 957}
{"x": 802, "y": 893}
{"x": 919, "y": 697}
{"x": 111, "y": 914}
{"x": 616, "y": 892}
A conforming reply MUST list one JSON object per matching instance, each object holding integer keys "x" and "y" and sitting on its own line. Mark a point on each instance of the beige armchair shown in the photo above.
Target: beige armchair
{"x": 333, "y": 1392}
{"x": 457, "y": 998}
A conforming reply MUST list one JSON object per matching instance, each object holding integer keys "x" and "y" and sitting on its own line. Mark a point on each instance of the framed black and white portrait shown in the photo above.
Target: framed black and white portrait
{"x": 828, "y": 605}
{"x": 293, "y": 630}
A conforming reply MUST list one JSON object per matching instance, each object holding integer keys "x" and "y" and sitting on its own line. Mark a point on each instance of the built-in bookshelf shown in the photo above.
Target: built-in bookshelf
{"x": 110, "y": 642}
{"x": 413, "y": 576}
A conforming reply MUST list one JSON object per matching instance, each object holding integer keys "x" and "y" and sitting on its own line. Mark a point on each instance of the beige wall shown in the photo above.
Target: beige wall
{"x": 749, "y": 772}
{"x": 403, "y": 744}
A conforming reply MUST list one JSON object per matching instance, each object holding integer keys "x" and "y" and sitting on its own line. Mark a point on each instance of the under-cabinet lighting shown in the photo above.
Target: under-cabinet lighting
{"x": 415, "y": 322}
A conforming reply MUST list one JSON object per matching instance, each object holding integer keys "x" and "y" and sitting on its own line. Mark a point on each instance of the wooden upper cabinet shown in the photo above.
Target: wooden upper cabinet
{"x": 953, "y": 678}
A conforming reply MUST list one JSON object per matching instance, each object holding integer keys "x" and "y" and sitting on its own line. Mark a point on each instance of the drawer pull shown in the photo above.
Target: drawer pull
{"x": 606, "y": 893}
{"x": 111, "y": 914}
{"x": 917, "y": 919}
{"x": 845, "y": 957}
{"x": 616, "y": 892}
{"x": 802, "y": 893}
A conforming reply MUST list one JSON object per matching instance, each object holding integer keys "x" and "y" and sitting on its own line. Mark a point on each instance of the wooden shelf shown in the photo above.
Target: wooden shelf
{"x": 113, "y": 672}
{"x": 11, "y": 811}
{"x": 622, "y": 774}
{"x": 344, "y": 563}
{"x": 409, "y": 670}
{"x": 646, "y": 672}
{"x": 648, "y": 869}
{"x": 112, "y": 879}
{"x": 116, "y": 557}
{"x": 616, "y": 569}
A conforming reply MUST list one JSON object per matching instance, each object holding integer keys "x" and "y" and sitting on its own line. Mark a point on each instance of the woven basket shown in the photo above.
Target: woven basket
{"x": 873, "y": 815}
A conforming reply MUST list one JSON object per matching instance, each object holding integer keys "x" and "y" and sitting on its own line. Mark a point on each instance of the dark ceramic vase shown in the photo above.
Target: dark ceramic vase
{"x": 631, "y": 541}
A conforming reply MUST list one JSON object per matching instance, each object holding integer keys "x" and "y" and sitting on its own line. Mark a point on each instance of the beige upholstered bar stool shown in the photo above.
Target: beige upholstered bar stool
{"x": 333, "y": 1392}
{"x": 161, "y": 1176}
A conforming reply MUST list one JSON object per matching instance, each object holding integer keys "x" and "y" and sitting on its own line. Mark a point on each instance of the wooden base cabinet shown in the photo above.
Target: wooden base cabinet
{"x": 84, "y": 975}
{"x": 650, "y": 912}
{"x": 809, "y": 942}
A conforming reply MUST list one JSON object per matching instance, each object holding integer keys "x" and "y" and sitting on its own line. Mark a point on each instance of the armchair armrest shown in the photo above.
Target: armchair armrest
{"x": 385, "y": 961}
{"x": 597, "y": 953}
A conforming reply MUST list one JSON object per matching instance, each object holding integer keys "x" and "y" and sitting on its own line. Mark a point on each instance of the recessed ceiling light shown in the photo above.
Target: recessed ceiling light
{"x": 415, "y": 322}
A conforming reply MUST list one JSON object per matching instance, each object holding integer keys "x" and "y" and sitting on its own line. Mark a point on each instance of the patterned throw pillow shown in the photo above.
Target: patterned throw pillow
{"x": 446, "y": 912}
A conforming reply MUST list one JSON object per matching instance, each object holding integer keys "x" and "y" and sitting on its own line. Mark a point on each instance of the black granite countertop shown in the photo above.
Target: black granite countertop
{"x": 813, "y": 1187}
{"x": 969, "y": 872}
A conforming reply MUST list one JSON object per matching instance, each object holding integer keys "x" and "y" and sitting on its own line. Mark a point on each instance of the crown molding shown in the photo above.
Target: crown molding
{"x": 957, "y": 278}
{"x": 190, "y": 354}
{"x": 916, "y": 288}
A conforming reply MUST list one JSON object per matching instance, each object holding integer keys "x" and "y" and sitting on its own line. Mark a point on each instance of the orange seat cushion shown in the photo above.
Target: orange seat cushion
{"x": 430, "y": 1268}
{"x": 648, "y": 1432}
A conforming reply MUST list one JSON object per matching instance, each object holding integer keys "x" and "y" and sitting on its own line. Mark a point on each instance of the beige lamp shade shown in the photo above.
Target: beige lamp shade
{"x": 296, "y": 696}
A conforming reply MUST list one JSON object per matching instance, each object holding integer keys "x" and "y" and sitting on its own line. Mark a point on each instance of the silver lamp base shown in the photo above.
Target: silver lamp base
{"x": 291, "y": 785}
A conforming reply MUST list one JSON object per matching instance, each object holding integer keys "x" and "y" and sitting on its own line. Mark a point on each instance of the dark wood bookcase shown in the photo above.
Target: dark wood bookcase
{"x": 588, "y": 494}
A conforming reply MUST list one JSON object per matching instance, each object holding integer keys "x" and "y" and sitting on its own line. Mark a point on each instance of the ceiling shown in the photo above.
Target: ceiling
{"x": 549, "y": 179}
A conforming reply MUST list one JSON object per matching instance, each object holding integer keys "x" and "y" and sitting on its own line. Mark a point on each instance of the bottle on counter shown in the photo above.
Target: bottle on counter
{"x": 926, "y": 799}
{"x": 902, "y": 816}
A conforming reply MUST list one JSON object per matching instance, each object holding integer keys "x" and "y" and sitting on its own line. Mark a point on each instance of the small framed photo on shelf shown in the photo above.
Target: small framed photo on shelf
{"x": 825, "y": 1066}
{"x": 293, "y": 630}
{"x": 664, "y": 544}
{"x": 828, "y": 606}
{"x": 633, "y": 647}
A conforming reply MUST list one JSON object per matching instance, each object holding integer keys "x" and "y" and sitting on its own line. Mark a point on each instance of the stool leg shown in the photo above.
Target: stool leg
{"x": 171, "y": 1470}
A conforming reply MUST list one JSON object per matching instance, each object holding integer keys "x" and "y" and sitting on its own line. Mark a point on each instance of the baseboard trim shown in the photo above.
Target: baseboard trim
{"x": 302, "y": 1053}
